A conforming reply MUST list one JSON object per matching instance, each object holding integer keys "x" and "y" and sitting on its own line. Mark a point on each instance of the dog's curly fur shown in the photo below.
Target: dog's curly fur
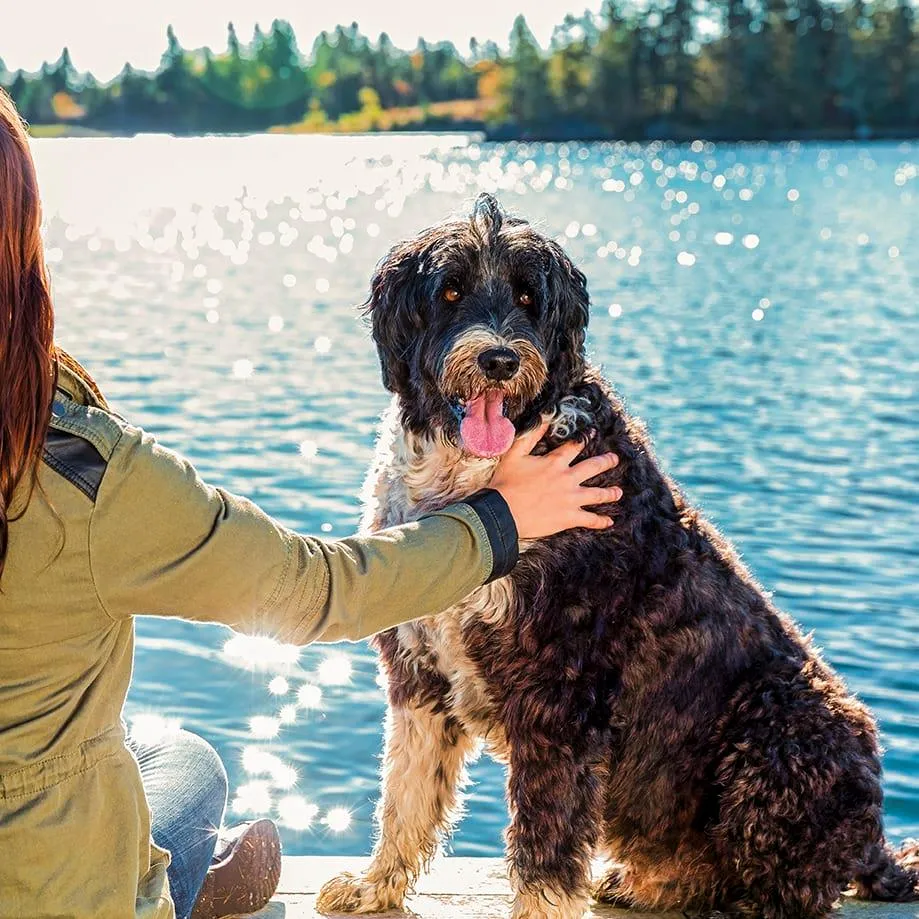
{"x": 651, "y": 703}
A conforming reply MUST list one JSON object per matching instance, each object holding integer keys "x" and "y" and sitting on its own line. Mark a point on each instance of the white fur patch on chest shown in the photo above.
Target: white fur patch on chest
{"x": 416, "y": 474}
{"x": 413, "y": 475}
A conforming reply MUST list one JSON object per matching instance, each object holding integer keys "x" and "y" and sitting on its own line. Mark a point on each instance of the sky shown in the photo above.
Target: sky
{"x": 103, "y": 34}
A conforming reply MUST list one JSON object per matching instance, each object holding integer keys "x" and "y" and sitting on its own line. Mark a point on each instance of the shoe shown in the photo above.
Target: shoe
{"x": 244, "y": 873}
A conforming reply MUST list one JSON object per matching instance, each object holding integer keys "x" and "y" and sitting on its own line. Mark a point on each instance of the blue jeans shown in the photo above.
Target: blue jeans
{"x": 186, "y": 788}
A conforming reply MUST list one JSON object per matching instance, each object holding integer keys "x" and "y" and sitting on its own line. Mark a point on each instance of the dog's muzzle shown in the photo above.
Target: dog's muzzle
{"x": 487, "y": 380}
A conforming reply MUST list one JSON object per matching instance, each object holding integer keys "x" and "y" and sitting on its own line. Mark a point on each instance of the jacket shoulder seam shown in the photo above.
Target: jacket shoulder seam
{"x": 100, "y": 428}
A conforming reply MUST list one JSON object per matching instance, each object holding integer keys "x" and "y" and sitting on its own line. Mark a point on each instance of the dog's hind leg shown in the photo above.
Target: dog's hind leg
{"x": 796, "y": 818}
{"x": 423, "y": 768}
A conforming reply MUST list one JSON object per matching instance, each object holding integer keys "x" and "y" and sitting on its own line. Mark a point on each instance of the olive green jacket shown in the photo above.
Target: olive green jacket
{"x": 118, "y": 526}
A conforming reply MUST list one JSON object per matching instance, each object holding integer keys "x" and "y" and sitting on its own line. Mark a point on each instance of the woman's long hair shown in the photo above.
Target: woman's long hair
{"x": 28, "y": 368}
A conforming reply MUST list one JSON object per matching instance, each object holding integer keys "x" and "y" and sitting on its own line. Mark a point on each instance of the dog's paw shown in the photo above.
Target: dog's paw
{"x": 610, "y": 889}
{"x": 349, "y": 893}
{"x": 548, "y": 904}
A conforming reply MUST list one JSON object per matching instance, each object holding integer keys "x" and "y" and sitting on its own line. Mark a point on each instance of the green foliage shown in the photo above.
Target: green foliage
{"x": 725, "y": 68}
{"x": 531, "y": 103}
{"x": 570, "y": 65}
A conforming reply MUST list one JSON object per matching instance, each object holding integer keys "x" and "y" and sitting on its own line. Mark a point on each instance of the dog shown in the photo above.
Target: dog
{"x": 652, "y": 706}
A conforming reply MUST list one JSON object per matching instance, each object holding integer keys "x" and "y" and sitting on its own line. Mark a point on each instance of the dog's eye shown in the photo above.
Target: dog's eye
{"x": 452, "y": 294}
{"x": 524, "y": 299}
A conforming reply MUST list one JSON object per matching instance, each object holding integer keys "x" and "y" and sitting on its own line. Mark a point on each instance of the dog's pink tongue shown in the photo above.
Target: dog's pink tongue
{"x": 485, "y": 430}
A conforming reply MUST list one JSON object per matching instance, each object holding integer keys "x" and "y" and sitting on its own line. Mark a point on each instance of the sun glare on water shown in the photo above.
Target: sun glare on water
{"x": 309, "y": 696}
{"x": 296, "y": 812}
{"x": 338, "y": 819}
{"x": 149, "y": 728}
{"x": 258, "y": 652}
{"x": 335, "y": 670}
{"x": 279, "y": 686}
{"x": 264, "y": 727}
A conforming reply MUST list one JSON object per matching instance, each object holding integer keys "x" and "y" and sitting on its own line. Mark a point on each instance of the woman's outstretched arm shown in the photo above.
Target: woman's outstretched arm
{"x": 163, "y": 542}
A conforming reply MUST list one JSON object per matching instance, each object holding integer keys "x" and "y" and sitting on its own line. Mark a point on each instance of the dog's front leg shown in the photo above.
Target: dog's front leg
{"x": 423, "y": 766}
{"x": 554, "y": 803}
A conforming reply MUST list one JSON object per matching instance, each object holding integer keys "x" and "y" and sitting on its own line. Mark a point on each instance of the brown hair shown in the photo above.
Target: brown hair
{"x": 27, "y": 356}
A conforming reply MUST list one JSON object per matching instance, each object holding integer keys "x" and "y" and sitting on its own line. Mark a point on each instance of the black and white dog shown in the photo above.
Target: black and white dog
{"x": 651, "y": 704}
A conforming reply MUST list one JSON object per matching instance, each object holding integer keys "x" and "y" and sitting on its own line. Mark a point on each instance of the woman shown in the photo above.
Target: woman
{"x": 98, "y": 523}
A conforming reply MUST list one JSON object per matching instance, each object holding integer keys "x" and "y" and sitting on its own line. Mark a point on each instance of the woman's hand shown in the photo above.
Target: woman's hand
{"x": 545, "y": 493}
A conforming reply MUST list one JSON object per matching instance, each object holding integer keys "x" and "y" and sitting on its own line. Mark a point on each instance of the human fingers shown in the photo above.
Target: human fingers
{"x": 566, "y": 453}
{"x": 595, "y": 465}
{"x": 596, "y": 495}
{"x": 593, "y": 521}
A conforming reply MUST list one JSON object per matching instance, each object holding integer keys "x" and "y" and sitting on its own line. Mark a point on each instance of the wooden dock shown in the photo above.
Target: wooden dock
{"x": 469, "y": 888}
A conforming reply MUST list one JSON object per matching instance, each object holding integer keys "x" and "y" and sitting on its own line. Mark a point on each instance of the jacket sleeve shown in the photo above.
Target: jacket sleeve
{"x": 164, "y": 543}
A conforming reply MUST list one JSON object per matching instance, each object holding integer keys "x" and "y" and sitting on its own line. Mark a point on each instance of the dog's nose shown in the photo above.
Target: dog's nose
{"x": 499, "y": 363}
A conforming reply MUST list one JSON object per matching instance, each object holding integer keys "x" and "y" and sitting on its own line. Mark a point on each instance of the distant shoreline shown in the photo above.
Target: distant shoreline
{"x": 502, "y": 135}
{"x": 823, "y": 73}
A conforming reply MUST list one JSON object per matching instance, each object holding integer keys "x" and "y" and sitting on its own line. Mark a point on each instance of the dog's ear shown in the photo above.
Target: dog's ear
{"x": 394, "y": 310}
{"x": 569, "y": 312}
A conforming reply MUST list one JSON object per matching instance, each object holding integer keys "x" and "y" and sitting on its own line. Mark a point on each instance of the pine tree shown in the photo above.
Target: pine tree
{"x": 900, "y": 61}
{"x": 844, "y": 81}
{"x": 773, "y": 54}
{"x": 176, "y": 89}
{"x": 614, "y": 89}
{"x": 530, "y": 96}
{"x": 570, "y": 66}
{"x": 675, "y": 39}
{"x": 19, "y": 90}
{"x": 132, "y": 101}
{"x": 282, "y": 88}
{"x": 739, "y": 78}
{"x": 233, "y": 47}
{"x": 380, "y": 69}
{"x": 63, "y": 76}
{"x": 231, "y": 72}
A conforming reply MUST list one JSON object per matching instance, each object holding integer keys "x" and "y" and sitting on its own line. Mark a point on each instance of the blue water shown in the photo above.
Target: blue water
{"x": 756, "y": 305}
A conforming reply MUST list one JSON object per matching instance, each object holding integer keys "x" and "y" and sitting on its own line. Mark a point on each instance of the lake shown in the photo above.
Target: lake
{"x": 756, "y": 305}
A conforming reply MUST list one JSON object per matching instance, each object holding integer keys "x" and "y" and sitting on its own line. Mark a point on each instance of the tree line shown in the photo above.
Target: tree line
{"x": 678, "y": 68}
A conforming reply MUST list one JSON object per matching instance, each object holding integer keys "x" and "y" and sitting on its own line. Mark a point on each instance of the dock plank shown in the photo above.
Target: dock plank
{"x": 471, "y": 888}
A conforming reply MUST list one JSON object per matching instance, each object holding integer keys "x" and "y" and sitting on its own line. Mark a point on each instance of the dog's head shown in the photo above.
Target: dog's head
{"x": 479, "y": 324}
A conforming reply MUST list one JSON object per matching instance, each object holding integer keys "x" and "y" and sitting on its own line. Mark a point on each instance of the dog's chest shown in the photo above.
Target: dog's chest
{"x": 416, "y": 475}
